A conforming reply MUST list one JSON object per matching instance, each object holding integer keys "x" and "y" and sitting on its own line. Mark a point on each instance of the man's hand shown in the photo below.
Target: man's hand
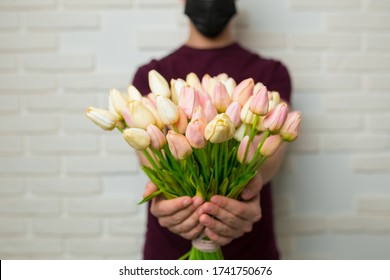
{"x": 179, "y": 215}
{"x": 226, "y": 219}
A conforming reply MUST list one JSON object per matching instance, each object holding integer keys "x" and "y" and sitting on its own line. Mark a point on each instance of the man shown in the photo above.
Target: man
{"x": 243, "y": 228}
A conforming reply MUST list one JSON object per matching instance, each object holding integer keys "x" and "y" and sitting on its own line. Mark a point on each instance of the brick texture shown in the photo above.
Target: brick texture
{"x": 69, "y": 190}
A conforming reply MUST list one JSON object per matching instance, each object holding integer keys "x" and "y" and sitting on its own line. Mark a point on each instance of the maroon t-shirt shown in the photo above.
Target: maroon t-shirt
{"x": 239, "y": 63}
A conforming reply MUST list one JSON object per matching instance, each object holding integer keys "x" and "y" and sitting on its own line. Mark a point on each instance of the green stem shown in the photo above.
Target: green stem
{"x": 151, "y": 160}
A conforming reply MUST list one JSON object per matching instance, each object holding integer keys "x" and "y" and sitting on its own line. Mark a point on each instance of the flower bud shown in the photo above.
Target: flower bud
{"x": 220, "y": 129}
{"x": 137, "y": 138}
{"x": 274, "y": 99}
{"x": 178, "y": 145}
{"x": 176, "y": 88}
{"x": 222, "y": 77}
{"x": 209, "y": 111}
{"x": 182, "y": 122}
{"x": 101, "y": 117}
{"x": 158, "y": 85}
{"x": 188, "y": 100}
{"x": 149, "y": 105}
{"x": 271, "y": 144}
{"x": 198, "y": 114}
{"x": 230, "y": 85}
{"x": 275, "y": 118}
{"x": 118, "y": 101}
{"x": 243, "y": 91}
{"x": 257, "y": 86}
{"x": 246, "y": 115}
{"x": 205, "y": 81}
{"x": 259, "y": 104}
{"x": 195, "y": 133}
{"x": 242, "y": 148}
{"x": 168, "y": 111}
{"x": 193, "y": 80}
{"x": 133, "y": 93}
{"x": 241, "y": 131}
{"x": 234, "y": 112}
{"x": 220, "y": 97}
{"x": 157, "y": 138}
{"x": 291, "y": 127}
{"x": 204, "y": 98}
{"x": 137, "y": 115}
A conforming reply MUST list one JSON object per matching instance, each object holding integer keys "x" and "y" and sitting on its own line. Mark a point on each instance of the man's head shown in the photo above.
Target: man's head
{"x": 210, "y": 17}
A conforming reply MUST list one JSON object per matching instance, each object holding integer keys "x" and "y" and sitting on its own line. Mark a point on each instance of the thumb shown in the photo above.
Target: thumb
{"x": 253, "y": 188}
{"x": 149, "y": 188}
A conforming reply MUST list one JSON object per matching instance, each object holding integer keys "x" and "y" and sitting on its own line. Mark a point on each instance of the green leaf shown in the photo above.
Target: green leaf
{"x": 223, "y": 187}
{"x": 150, "y": 197}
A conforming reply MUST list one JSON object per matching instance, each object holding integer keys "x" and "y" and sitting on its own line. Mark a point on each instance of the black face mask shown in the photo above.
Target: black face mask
{"x": 210, "y": 17}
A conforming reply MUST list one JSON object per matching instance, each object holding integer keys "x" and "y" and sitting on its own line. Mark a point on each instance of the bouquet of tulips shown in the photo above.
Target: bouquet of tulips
{"x": 202, "y": 137}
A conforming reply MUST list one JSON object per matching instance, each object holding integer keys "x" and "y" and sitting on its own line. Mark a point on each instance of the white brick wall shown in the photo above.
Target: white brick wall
{"x": 70, "y": 191}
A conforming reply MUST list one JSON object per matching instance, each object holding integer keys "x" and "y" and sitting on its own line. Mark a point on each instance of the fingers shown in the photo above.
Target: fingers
{"x": 223, "y": 225}
{"x": 226, "y": 219}
{"x": 179, "y": 215}
{"x": 253, "y": 187}
{"x": 149, "y": 188}
{"x": 249, "y": 211}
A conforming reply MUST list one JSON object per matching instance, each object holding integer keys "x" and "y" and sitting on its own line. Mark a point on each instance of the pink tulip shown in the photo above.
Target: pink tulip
{"x": 243, "y": 91}
{"x": 271, "y": 144}
{"x": 209, "y": 111}
{"x": 204, "y": 98}
{"x": 275, "y": 118}
{"x": 195, "y": 133}
{"x": 188, "y": 100}
{"x": 220, "y": 97}
{"x": 157, "y": 138}
{"x": 178, "y": 145}
{"x": 242, "y": 149}
{"x": 181, "y": 124}
{"x": 291, "y": 127}
{"x": 199, "y": 114}
{"x": 234, "y": 112}
{"x": 259, "y": 104}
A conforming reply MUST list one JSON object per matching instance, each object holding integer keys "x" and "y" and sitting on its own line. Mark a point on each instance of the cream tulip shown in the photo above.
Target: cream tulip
{"x": 133, "y": 93}
{"x": 118, "y": 101}
{"x": 168, "y": 111}
{"x": 140, "y": 116}
{"x": 101, "y": 117}
{"x": 158, "y": 85}
{"x": 220, "y": 129}
{"x": 137, "y": 138}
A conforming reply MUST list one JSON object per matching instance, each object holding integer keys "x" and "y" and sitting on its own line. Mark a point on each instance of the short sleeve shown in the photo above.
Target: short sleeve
{"x": 281, "y": 82}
